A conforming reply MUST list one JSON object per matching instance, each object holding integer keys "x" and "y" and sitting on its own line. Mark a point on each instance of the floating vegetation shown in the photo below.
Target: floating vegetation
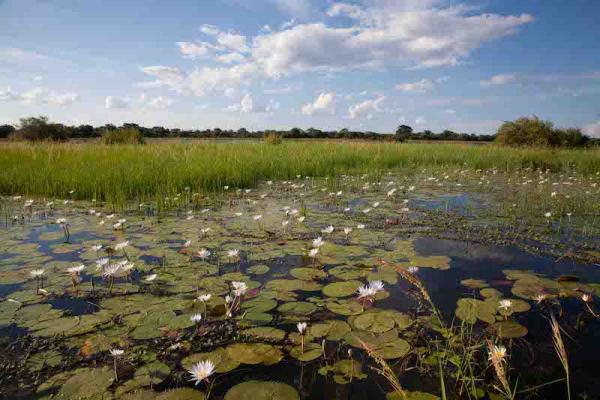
{"x": 295, "y": 288}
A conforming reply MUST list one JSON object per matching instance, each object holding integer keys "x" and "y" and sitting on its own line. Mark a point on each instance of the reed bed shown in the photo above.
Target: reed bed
{"x": 129, "y": 172}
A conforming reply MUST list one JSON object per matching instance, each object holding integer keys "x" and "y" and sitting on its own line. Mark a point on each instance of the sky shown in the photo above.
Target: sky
{"x": 464, "y": 65}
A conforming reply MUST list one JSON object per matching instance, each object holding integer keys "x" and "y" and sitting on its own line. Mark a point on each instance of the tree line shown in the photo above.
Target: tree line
{"x": 527, "y": 131}
{"x": 40, "y": 128}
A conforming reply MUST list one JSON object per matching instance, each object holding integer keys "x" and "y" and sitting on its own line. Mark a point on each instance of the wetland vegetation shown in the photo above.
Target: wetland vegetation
{"x": 298, "y": 270}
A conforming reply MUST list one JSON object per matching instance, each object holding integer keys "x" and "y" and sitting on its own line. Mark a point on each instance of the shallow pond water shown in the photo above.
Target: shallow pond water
{"x": 65, "y": 304}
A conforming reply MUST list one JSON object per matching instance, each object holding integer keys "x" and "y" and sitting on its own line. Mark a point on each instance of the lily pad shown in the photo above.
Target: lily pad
{"x": 262, "y": 390}
{"x": 341, "y": 289}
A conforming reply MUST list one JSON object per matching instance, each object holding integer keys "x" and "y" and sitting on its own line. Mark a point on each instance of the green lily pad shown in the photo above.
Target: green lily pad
{"x": 258, "y": 269}
{"x": 87, "y": 383}
{"x": 344, "y": 371}
{"x": 254, "y": 353}
{"x": 262, "y": 390}
{"x": 311, "y": 352}
{"x": 345, "y": 307}
{"x": 341, "y": 289}
{"x": 308, "y": 274}
{"x": 332, "y": 330}
{"x": 219, "y": 357}
{"x": 509, "y": 329}
{"x": 298, "y": 308}
{"x": 265, "y": 333}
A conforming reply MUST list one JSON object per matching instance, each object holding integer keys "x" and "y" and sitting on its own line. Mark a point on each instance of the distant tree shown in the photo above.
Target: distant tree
{"x": 123, "y": 135}
{"x": 535, "y": 132}
{"x": 6, "y": 130}
{"x": 403, "y": 132}
{"x": 39, "y": 129}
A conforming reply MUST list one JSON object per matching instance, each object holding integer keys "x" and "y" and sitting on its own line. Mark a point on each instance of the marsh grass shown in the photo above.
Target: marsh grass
{"x": 119, "y": 173}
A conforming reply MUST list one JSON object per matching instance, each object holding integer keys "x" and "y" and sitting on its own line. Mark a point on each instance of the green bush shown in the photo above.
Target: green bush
{"x": 272, "y": 138}
{"x": 123, "y": 136}
{"x": 535, "y": 132}
{"x": 38, "y": 129}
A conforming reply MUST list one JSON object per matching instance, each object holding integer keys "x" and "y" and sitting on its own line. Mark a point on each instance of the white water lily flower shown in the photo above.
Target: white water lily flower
{"x": 318, "y": 242}
{"x": 548, "y": 214}
{"x": 505, "y": 304}
{"x": 377, "y": 286}
{"x": 365, "y": 291}
{"x": 366, "y": 210}
{"x": 102, "y": 261}
{"x": 239, "y": 214}
{"x": 196, "y": 318}
{"x": 360, "y": 226}
{"x": 202, "y": 370}
{"x": 111, "y": 270}
{"x": 116, "y": 352}
{"x": 204, "y": 297}
{"x": 37, "y": 272}
{"x": 97, "y": 247}
{"x": 76, "y": 270}
{"x": 301, "y": 327}
{"x": 233, "y": 253}
{"x": 301, "y": 218}
{"x": 204, "y": 253}
{"x": 122, "y": 245}
{"x": 239, "y": 288}
{"x": 376, "y": 204}
{"x": 61, "y": 221}
{"x": 347, "y": 209}
{"x": 312, "y": 253}
{"x": 347, "y": 231}
{"x": 150, "y": 278}
{"x": 257, "y": 217}
{"x": 329, "y": 229}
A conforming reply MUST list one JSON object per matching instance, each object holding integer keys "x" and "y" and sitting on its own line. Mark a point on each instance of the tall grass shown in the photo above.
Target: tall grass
{"x": 123, "y": 172}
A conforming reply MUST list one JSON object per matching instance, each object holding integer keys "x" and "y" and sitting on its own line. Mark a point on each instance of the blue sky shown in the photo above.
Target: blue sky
{"x": 361, "y": 64}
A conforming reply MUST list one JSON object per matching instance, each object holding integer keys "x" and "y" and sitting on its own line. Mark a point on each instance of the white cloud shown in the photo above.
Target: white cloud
{"x": 8, "y": 95}
{"x": 420, "y": 121}
{"x": 382, "y": 34}
{"x": 64, "y": 99}
{"x": 249, "y": 105}
{"x": 323, "y": 105}
{"x": 365, "y": 108}
{"x": 450, "y": 111}
{"x": 209, "y": 29}
{"x": 160, "y": 102}
{"x": 343, "y": 9}
{"x": 195, "y": 50}
{"x": 231, "y": 58}
{"x": 164, "y": 76}
{"x": 39, "y": 95}
{"x": 205, "y": 80}
{"x": 592, "y": 129}
{"x": 501, "y": 79}
{"x": 232, "y": 41}
{"x": 112, "y": 102}
{"x": 422, "y": 86}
